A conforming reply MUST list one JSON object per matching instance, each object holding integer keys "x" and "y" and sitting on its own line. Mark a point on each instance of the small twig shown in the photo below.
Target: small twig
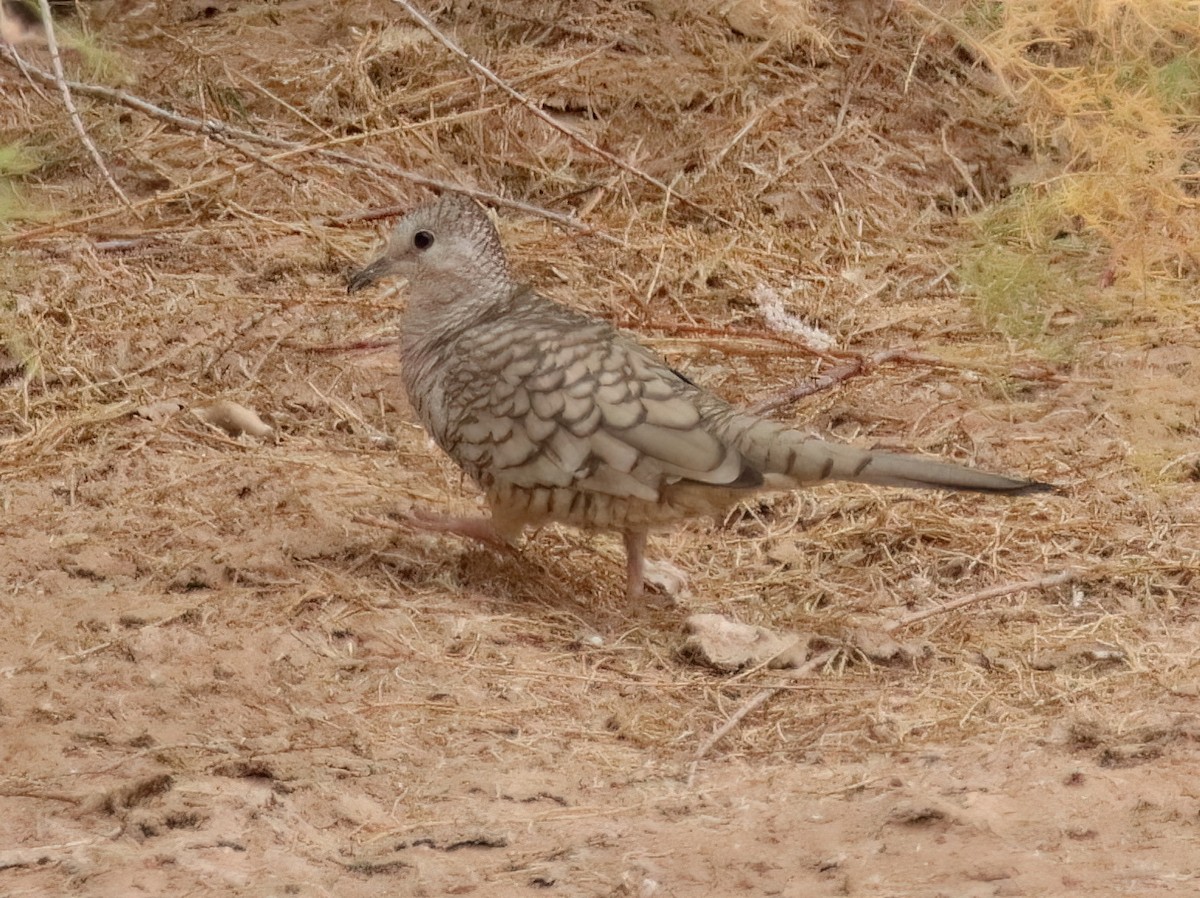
{"x": 764, "y": 695}
{"x": 100, "y": 647}
{"x": 122, "y": 244}
{"x": 60, "y": 78}
{"x": 861, "y": 365}
{"x": 446, "y": 41}
{"x": 246, "y": 325}
{"x": 43, "y": 795}
{"x": 15, "y": 58}
{"x": 377, "y": 214}
{"x": 759, "y": 698}
{"x": 299, "y": 113}
{"x": 979, "y": 48}
{"x": 993, "y": 592}
{"x": 262, "y": 160}
{"x": 35, "y": 857}
{"x": 1184, "y": 459}
{"x": 729, "y": 332}
{"x": 962, "y": 169}
{"x": 55, "y": 430}
{"x": 355, "y": 346}
{"x": 124, "y": 637}
{"x": 746, "y": 128}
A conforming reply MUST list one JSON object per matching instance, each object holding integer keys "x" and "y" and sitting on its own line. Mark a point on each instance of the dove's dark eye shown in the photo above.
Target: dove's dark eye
{"x": 422, "y": 240}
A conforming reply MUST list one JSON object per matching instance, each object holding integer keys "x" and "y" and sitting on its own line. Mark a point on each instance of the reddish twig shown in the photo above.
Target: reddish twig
{"x": 981, "y": 596}
{"x": 861, "y": 365}
{"x": 355, "y": 346}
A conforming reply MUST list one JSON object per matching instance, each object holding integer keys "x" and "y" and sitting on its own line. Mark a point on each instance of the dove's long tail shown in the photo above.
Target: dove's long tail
{"x": 782, "y": 454}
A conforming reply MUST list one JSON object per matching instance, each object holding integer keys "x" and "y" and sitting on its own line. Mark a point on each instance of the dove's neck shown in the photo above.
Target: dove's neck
{"x": 449, "y": 300}
{"x": 430, "y": 333}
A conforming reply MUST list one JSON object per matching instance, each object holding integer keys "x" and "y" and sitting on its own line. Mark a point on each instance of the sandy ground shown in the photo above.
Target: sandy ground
{"x": 217, "y": 679}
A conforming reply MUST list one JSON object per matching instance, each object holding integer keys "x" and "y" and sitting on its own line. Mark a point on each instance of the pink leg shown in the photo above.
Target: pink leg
{"x": 635, "y": 564}
{"x": 481, "y": 530}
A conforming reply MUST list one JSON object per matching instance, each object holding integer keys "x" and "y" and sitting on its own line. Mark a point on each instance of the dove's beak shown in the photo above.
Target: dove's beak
{"x": 381, "y": 267}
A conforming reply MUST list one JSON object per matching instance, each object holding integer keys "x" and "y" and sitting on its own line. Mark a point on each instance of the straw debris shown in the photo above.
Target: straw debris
{"x": 968, "y": 260}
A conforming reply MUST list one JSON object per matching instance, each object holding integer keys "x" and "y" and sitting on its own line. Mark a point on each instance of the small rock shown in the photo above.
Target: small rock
{"x": 726, "y": 645}
{"x": 233, "y": 418}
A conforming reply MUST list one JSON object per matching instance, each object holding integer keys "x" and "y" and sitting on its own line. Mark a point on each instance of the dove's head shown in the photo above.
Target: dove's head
{"x": 448, "y": 251}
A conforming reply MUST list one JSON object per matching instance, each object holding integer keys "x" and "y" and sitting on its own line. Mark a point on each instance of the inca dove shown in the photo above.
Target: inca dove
{"x": 560, "y": 417}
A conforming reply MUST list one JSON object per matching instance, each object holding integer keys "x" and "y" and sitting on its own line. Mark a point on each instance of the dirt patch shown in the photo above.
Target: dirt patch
{"x": 219, "y": 680}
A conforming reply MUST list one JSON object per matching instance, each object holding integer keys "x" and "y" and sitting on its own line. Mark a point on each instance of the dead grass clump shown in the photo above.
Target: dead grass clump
{"x": 1108, "y": 93}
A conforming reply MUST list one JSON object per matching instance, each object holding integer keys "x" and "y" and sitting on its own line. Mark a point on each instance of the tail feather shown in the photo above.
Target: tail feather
{"x": 803, "y": 460}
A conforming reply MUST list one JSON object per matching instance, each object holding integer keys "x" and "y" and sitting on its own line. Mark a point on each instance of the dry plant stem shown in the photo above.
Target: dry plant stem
{"x": 60, "y": 79}
{"x": 984, "y": 594}
{"x": 33, "y": 857}
{"x": 729, "y": 333}
{"x": 1185, "y": 459}
{"x": 446, "y": 41}
{"x": 479, "y": 529}
{"x": 490, "y": 198}
{"x": 224, "y": 132}
{"x": 16, "y": 60}
{"x": 759, "y": 698}
{"x": 48, "y": 436}
{"x": 763, "y": 695}
{"x": 356, "y": 346}
{"x": 257, "y": 157}
{"x": 42, "y": 795}
{"x": 842, "y": 373}
{"x": 967, "y": 40}
{"x": 162, "y": 622}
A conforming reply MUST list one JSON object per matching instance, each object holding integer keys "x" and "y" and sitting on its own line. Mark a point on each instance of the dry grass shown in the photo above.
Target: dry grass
{"x": 852, "y": 159}
{"x": 228, "y": 288}
{"x": 1108, "y": 95}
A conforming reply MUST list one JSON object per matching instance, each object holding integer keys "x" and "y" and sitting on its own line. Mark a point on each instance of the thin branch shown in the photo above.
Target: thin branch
{"x": 124, "y": 637}
{"x": 262, "y": 160}
{"x": 492, "y": 199}
{"x": 60, "y": 79}
{"x": 861, "y": 365}
{"x": 759, "y": 698}
{"x": 224, "y": 132}
{"x": 1185, "y": 459}
{"x": 764, "y": 695}
{"x": 983, "y": 595}
{"x": 43, "y": 854}
{"x": 979, "y": 48}
{"x": 446, "y": 41}
{"x": 15, "y": 58}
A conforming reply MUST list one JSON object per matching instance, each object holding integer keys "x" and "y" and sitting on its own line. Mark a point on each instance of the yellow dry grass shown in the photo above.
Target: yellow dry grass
{"x": 1108, "y": 94}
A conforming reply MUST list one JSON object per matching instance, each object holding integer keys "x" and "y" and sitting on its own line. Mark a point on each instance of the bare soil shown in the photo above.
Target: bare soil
{"x": 217, "y": 679}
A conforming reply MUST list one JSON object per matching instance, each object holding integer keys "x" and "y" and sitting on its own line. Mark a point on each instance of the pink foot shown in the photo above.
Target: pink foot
{"x": 635, "y": 564}
{"x": 479, "y": 529}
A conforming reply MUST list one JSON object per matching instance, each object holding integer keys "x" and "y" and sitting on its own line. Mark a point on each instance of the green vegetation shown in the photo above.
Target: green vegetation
{"x": 1026, "y": 268}
{"x": 1111, "y": 94}
{"x": 96, "y": 63}
{"x": 15, "y": 160}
